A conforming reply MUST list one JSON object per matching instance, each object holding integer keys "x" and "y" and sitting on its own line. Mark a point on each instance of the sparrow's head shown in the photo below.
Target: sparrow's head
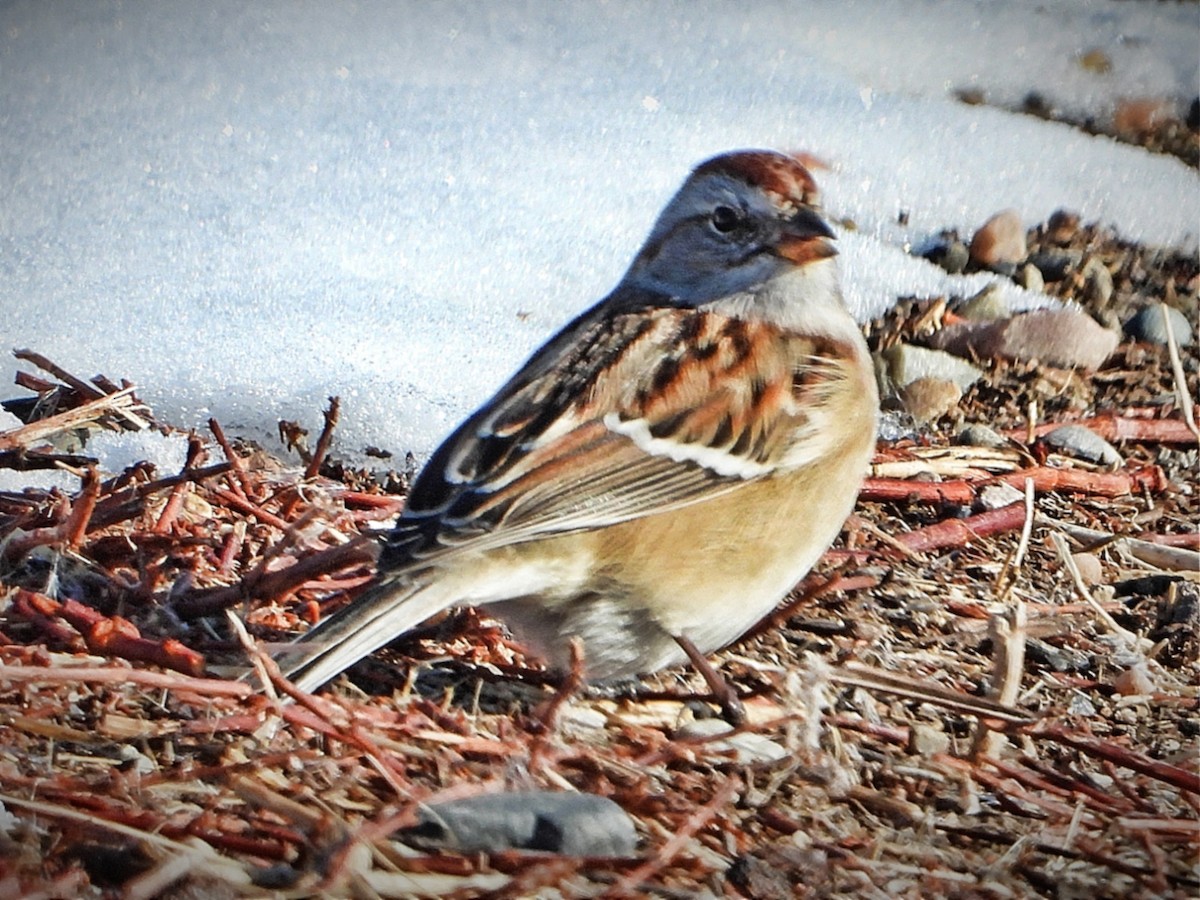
{"x": 740, "y": 220}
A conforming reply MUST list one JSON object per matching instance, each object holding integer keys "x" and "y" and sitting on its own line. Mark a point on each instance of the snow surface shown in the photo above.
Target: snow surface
{"x": 245, "y": 208}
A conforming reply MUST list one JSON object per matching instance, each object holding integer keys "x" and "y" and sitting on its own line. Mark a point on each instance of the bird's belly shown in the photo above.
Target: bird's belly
{"x": 709, "y": 571}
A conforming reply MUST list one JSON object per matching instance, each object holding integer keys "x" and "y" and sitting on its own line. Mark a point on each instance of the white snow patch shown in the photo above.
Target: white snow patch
{"x": 245, "y": 208}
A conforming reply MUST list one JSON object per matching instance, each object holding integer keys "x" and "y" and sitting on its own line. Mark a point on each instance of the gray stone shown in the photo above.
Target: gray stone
{"x": 895, "y": 425}
{"x": 1055, "y": 265}
{"x": 906, "y": 364}
{"x": 1029, "y": 277}
{"x": 987, "y": 304}
{"x": 998, "y": 496}
{"x": 1081, "y": 706}
{"x": 1059, "y": 659}
{"x": 977, "y": 435}
{"x": 550, "y": 821}
{"x": 1097, "y": 283}
{"x": 1147, "y": 325}
{"x": 1082, "y": 443}
{"x": 952, "y": 257}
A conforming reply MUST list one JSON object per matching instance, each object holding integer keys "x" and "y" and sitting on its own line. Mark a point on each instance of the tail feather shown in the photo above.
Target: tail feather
{"x": 385, "y": 611}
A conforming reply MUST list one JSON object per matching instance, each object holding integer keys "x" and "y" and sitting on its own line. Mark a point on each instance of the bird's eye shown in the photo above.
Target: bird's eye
{"x": 725, "y": 219}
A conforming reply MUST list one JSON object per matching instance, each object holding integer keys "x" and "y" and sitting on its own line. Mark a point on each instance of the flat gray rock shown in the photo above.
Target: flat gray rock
{"x": 550, "y": 821}
{"x": 1082, "y": 443}
{"x": 1147, "y": 325}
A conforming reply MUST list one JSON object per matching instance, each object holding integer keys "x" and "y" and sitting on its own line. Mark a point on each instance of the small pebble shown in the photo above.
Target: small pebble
{"x": 952, "y": 257}
{"x": 1183, "y": 605}
{"x": 928, "y": 399}
{"x": 1097, "y": 283}
{"x": 998, "y": 496}
{"x": 1080, "y": 705}
{"x": 136, "y": 760}
{"x": 1060, "y": 659}
{"x": 906, "y": 364}
{"x": 1095, "y": 60}
{"x": 1056, "y": 265}
{"x": 1029, "y": 277}
{"x": 1134, "y": 681}
{"x": 1082, "y": 443}
{"x": 1090, "y": 568}
{"x": 1147, "y": 325}
{"x": 976, "y": 435}
{"x": 925, "y": 740}
{"x": 1062, "y": 226}
{"x": 1036, "y": 104}
{"x": 999, "y": 244}
{"x": 895, "y": 425}
{"x": 757, "y": 879}
{"x": 987, "y": 304}
{"x": 1126, "y": 716}
{"x": 556, "y": 822}
{"x": 1141, "y": 115}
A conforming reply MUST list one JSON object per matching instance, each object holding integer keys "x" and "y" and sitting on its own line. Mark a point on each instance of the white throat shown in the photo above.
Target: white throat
{"x": 806, "y": 299}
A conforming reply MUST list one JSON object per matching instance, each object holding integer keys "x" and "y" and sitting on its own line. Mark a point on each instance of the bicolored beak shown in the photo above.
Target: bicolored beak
{"x": 805, "y": 237}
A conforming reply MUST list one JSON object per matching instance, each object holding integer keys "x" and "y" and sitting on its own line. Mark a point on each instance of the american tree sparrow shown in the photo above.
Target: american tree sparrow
{"x": 661, "y": 472}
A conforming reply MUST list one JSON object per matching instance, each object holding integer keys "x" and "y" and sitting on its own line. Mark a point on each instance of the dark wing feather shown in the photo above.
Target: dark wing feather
{"x": 627, "y": 412}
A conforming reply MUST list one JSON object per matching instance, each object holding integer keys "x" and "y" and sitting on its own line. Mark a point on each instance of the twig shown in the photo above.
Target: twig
{"x": 902, "y": 543}
{"x": 1120, "y": 428}
{"x": 212, "y": 687}
{"x": 1132, "y": 642}
{"x": 1046, "y": 480}
{"x": 271, "y": 584}
{"x": 87, "y": 390}
{"x": 195, "y": 456}
{"x": 332, "y": 412}
{"x": 353, "y": 734}
{"x": 960, "y": 532}
{"x": 114, "y": 636}
{"x": 66, "y": 420}
{"x": 253, "y": 653}
{"x": 855, "y": 674}
{"x": 547, "y": 713}
{"x": 126, "y": 504}
{"x": 26, "y": 460}
{"x": 81, "y": 512}
{"x": 1007, "y": 630}
{"x": 1181, "y": 388}
{"x": 1153, "y": 553}
{"x": 885, "y": 490}
{"x": 318, "y": 457}
{"x": 241, "y": 483}
{"x": 244, "y": 505}
{"x": 1184, "y": 779}
{"x": 809, "y": 593}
